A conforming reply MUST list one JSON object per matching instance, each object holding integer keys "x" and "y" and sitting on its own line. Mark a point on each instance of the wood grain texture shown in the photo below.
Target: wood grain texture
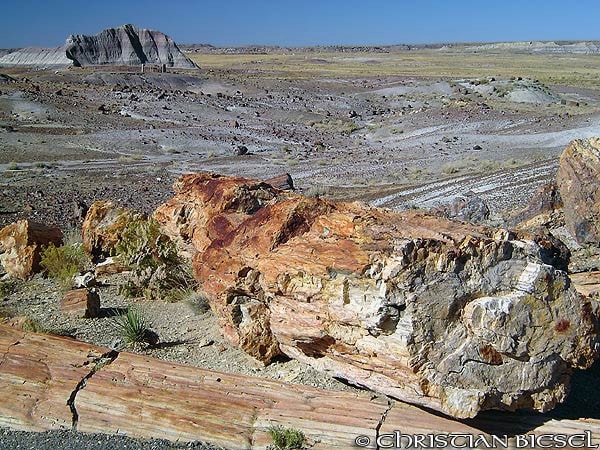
{"x": 145, "y": 397}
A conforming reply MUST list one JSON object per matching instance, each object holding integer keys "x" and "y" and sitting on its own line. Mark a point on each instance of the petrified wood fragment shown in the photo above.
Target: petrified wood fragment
{"x": 21, "y": 246}
{"x": 81, "y": 303}
{"x": 103, "y": 226}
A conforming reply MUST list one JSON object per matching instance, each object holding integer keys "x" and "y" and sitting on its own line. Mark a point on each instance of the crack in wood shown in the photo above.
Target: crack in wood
{"x": 390, "y": 405}
{"x": 103, "y": 360}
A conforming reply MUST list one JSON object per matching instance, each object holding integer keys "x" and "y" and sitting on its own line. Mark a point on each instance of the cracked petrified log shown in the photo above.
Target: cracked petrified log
{"x": 448, "y": 315}
{"x": 21, "y": 246}
{"x": 51, "y": 382}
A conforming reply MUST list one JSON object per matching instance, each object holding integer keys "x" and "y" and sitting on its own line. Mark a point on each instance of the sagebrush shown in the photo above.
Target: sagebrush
{"x": 7, "y": 287}
{"x": 286, "y": 438}
{"x": 64, "y": 262}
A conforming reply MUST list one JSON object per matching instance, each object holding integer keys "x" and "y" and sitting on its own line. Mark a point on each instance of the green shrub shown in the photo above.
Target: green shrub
{"x": 133, "y": 327}
{"x": 197, "y": 301}
{"x": 317, "y": 191}
{"x": 7, "y": 287}
{"x": 286, "y": 438}
{"x": 62, "y": 263}
{"x": 72, "y": 236}
{"x": 157, "y": 270}
{"x": 33, "y": 326}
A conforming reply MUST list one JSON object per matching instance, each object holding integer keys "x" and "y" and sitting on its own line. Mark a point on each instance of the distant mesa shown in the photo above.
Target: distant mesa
{"x": 125, "y": 45}
{"x": 540, "y": 47}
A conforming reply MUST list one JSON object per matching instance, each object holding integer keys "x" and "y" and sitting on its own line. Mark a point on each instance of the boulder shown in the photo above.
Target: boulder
{"x": 578, "y": 180}
{"x": 283, "y": 182}
{"x": 102, "y": 228}
{"x": 468, "y": 207}
{"x": 241, "y": 150}
{"x": 81, "y": 303}
{"x": 448, "y": 315}
{"x": 126, "y": 45}
{"x": 21, "y": 245}
{"x": 543, "y": 210}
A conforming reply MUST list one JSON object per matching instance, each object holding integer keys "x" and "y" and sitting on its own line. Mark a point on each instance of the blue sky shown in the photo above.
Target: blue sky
{"x": 304, "y": 22}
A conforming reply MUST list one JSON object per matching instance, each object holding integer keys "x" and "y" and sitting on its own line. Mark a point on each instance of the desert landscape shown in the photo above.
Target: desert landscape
{"x": 339, "y": 241}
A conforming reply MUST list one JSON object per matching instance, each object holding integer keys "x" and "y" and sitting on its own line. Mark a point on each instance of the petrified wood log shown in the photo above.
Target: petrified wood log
{"x": 226, "y": 201}
{"x": 21, "y": 245}
{"x": 81, "y": 303}
{"x": 452, "y": 316}
{"x": 283, "y": 182}
{"x": 50, "y": 382}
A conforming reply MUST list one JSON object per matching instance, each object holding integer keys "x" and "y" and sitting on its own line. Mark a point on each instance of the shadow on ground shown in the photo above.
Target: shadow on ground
{"x": 583, "y": 402}
{"x": 111, "y": 312}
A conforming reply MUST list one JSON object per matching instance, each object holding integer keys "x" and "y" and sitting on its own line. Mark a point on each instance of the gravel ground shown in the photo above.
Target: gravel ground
{"x": 187, "y": 330}
{"x": 63, "y": 440}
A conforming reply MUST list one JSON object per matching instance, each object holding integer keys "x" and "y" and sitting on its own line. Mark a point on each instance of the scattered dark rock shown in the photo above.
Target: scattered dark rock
{"x": 241, "y": 150}
{"x": 468, "y": 207}
{"x": 283, "y": 182}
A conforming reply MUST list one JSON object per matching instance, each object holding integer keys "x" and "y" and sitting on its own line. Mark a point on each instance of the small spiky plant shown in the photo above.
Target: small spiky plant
{"x": 133, "y": 327}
